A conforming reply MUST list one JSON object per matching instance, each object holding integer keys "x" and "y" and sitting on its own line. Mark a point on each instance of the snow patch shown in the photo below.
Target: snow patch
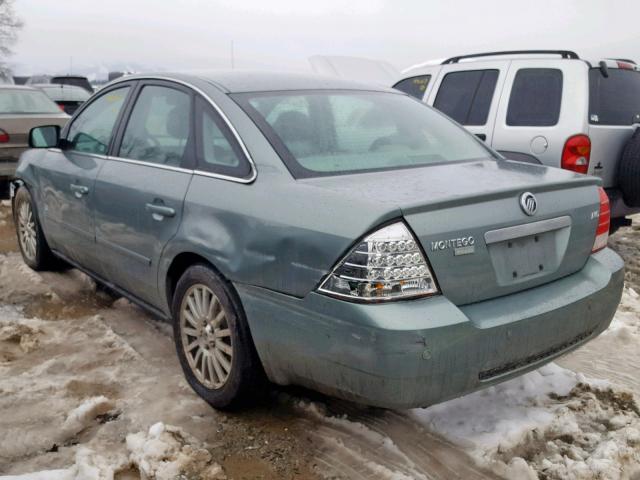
{"x": 165, "y": 452}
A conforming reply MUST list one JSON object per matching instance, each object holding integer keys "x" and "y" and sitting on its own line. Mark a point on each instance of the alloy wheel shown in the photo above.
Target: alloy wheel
{"x": 27, "y": 231}
{"x": 206, "y": 337}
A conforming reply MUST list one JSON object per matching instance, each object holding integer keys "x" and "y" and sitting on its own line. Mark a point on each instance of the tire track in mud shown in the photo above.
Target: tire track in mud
{"x": 362, "y": 443}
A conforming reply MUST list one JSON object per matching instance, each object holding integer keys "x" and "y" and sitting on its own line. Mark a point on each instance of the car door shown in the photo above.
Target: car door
{"x": 140, "y": 190}
{"x": 469, "y": 94}
{"x": 68, "y": 176}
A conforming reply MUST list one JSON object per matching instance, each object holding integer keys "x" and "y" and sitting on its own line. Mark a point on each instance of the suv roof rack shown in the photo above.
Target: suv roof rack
{"x": 625, "y": 60}
{"x": 568, "y": 54}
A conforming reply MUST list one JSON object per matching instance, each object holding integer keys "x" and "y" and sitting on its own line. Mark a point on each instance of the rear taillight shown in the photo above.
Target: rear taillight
{"x": 61, "y": 107}
{"x": 604, "y": 220}
{"x": 388, "y": 264}
{"x": 576, "y": 154}
{"x": 4, "y": 136}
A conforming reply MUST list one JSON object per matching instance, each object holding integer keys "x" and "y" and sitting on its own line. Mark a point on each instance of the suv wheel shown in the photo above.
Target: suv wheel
{"x": 213, "y": 341}
{"x": 33, "y": 246}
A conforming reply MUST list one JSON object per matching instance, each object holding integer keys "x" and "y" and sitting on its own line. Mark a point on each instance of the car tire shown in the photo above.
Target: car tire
{"x": 629, "y": 171}
{"x": 31, "y": 240}
{"x": 218, "y": 338}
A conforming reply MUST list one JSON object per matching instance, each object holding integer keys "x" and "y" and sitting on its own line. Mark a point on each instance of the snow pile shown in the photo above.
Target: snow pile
{"x": 165, "y": 452}
{"x": 17, "y": 330}
{"x": 83, "y": 416}
{"x": 551, "y": 423}
{"x": 88, "y": 466}
{"x": 626, "y": 322}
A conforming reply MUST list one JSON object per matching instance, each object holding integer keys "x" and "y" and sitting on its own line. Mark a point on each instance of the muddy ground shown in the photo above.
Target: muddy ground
{"x": 82, "y": 373}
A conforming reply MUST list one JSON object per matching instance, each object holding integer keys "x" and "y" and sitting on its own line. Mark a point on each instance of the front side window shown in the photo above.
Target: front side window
{"x": 536, "y": 97}
{"x": 330, "y": 132}
{"x": 614, "y": 100}
{"x": 158, "y": 128}
{"x": 218, "y": 152}
{"x": 414, "y": 86}
{"x": 91, "y": 131}
{"x": 25, "y": 101}
{"x": 466, "y": 96}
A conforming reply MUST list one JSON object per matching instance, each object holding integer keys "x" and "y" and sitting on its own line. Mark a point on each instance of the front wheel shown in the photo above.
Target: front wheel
{"x": 213, "y": 341}
{"x": 33, "y": 246}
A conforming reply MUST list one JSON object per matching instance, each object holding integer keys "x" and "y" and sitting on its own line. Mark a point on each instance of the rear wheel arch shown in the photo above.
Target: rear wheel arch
{"x": 180, "y": 263}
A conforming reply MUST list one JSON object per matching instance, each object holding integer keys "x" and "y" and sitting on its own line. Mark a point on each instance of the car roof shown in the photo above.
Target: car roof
{"x": 11, "y": 86}
{"x": 239, "y": 81}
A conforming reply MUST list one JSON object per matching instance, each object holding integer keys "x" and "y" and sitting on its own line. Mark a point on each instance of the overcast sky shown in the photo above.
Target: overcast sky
{"x": 184, "y": 34}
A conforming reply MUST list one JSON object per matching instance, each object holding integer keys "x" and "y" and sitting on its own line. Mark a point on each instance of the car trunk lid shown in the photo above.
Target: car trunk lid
{"x": 477, "y": 237}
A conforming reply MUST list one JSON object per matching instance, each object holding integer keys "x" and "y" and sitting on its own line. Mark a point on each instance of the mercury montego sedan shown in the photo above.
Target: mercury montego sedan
{"x": 313, "y": 231}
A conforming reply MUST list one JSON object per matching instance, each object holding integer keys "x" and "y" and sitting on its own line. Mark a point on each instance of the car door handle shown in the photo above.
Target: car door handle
{"x": 161, "y": 210}
{"x": 481, "y": 136}
{"x": 79, "y": 190}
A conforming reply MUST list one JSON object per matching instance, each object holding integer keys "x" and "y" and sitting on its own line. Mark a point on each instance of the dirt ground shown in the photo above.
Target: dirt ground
{"x": 86, "y": 377}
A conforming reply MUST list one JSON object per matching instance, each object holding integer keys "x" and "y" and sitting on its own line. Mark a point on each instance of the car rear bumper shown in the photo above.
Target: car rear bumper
{"x": 417, "y": 353}
{"x": 9, "y": 160}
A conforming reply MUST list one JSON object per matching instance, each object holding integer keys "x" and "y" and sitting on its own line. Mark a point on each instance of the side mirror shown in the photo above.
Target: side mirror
{"x": 47, "y": 136}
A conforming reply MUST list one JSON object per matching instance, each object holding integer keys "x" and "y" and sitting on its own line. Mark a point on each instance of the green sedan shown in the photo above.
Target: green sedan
{"x": 313, "y": 231}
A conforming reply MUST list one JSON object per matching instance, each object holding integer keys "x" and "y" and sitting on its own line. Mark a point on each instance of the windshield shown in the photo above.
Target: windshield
{"x": 330, "y": 132}
{"x": 26, "y": 101}
{"x": 614, "y": 100}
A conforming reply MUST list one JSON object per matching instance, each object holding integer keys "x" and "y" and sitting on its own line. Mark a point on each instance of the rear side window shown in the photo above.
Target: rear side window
{"x": 466, "y": 96}
{"x": 414, "y": 86}
{"x": 614, "y": 100}
{"x": 217, "y": 150}
{"x": 536, "y": 97}
{"x": 158, "y": 129}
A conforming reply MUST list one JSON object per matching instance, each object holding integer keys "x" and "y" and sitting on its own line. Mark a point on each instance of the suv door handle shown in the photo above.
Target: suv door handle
{"x": 79, "y": 190}
{"x": 160, "y": 211}
{"x": 481, "y": 136}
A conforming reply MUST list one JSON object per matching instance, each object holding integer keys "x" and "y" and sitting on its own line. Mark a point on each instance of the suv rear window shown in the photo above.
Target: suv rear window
{"x": 414, "y": 86}
{"x": 614, "y": 100}
{"x": 466, "y": 96}
{"x": 536, "y": 97}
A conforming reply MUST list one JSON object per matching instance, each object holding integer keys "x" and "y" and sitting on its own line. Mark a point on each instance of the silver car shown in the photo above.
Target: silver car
{"x": 21, "y": 109}
{"x": 546, "y": 107}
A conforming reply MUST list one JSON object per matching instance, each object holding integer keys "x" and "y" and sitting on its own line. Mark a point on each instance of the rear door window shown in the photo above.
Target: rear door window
{"x": 414, "y": 86}
{"x": 159, "y": 126}
{"x": 466, "y": 96}
{"x": 614, "y": 100}
{"x": 536, "y": 98}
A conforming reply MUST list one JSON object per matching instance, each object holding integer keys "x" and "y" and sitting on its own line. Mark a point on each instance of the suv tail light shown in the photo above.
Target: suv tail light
{"x": 604, "y": 220}
{"x": 576, "y": 154}
{"x": 385, "y": 265}
{"x": 4, "y": 136}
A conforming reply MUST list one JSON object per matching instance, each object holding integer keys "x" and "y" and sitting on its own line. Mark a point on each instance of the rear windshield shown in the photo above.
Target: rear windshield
{"x": 331, "y": 132}
{"x": 26, "y": 101}
{"x": 614, "y": 100}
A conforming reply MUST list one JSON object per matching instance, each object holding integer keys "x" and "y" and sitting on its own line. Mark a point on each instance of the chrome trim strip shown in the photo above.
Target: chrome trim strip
{"x": 527, "y": 229}
{"x": 151, "y": 164}
{"x": 254, "y": 171}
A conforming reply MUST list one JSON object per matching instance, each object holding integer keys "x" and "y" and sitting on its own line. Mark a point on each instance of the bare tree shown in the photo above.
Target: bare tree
{"x": 10, "y": 24}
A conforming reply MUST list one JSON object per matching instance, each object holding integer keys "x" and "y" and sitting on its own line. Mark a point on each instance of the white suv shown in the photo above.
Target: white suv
{"x": 548, "y": 107}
